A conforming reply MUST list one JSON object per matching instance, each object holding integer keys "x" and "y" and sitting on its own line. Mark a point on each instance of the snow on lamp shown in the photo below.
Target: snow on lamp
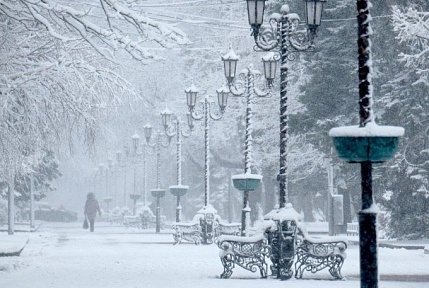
{"x": 136, "y": 139}
{"x": 166, "y": 117}
{"x": 147, "y": 131}
{"x": 255, "y": 10}
{"x": 222, "y": 97}
{"x": 270, "y": 67}
{"x": 313, "y": 10}
{"x": 191, "y": 96}
{"x": 230, "y": 60}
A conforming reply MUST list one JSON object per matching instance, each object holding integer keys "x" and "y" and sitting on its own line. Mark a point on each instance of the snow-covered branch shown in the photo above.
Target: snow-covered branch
{"x": 412, "y": 27}
{"x": 67, "y": 23}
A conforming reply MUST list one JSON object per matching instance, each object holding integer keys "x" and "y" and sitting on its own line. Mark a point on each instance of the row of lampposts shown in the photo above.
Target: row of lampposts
{"x": 279, "y": 38}
{"x": 174, "y": 128}
{"x": 156, "y": 141}
{"x": 202, "y": 112}
{"x": 352, "y": 143}
{"x": 247, "y": 85}
{"x": 282, "y": 37}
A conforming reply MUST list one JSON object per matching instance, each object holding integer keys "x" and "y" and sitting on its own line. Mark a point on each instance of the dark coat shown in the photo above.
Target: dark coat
{"x": 91, "y": 207}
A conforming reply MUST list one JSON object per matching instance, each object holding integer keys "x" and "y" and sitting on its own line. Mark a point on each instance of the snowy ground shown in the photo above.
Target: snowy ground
{"x": 64, "y": 255}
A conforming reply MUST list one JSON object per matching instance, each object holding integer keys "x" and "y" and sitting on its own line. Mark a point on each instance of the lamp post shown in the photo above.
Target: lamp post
{"x": 281, "y": 38}
{"x": 136, "y": 140}
{"x": 204, "y": 113}
{"x": 122, "y": 162}
{"x": 173, "y": 128}
{"x": 135, "y": 196}
{"x": 247, "y": 85}
{"x": 366, "y": 144}
{"x": 156, "y": 143}
{"x": 101, "y": 168}
{"x": 109, "y": 168}
{"x": 94, "y": 178}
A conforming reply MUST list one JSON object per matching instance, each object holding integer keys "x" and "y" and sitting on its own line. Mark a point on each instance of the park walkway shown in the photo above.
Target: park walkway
{"x": 64, "y": 255}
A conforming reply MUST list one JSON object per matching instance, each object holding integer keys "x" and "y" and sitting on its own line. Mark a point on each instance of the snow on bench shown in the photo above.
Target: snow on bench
{"x": 186, "y": 231}
{"x": 249, "y": 253}
{"x": 228, "y": 229}
{"x": 315, "y": 254}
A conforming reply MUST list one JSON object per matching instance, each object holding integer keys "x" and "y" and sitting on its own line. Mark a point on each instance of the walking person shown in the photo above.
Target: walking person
{"x": 91, "y": 209}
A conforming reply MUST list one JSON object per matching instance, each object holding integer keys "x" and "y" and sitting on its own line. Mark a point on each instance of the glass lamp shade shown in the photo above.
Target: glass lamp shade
{"x": 166, "y": 117}
{"x": 191, "y": 96}
{"x": 313, "y": 9}
{"x": 136, "y": 140}
{"x": 255, "y": 10}
{"x": 230, "y": 60}
{"x": 127, "y": 150}
{"x": 147, "y": 132}
{"x": 190, "y": 120}
{"x": 118, "y": 156}
{"x": 270, "y": 66}
{"x": 222, "y": 97}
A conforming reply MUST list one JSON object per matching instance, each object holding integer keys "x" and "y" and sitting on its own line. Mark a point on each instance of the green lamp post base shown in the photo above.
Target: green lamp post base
{"x": 178, "y": 190}
{"x": 135, "y": 197}
{"x": 371, "y": 143}
{"x": 246, "y": 182}
{"x": 158, "y": 193}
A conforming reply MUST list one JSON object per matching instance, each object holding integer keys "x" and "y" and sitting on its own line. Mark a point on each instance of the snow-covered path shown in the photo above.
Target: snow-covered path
{"x": 68, "y": 256}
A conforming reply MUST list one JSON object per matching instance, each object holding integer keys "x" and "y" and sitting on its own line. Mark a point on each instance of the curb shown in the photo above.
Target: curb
{"x": 397, "y": 246}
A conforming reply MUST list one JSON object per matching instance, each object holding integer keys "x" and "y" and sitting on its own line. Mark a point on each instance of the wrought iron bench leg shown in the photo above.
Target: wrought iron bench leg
{"x": 335, "y": 267}
{"x": 228, "y": 265}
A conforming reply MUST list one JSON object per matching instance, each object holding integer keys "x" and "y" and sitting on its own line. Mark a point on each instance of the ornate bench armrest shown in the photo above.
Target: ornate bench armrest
{"x": 229, "y": 229}
{"x": 244, "y": 246}
{"x": 247, "y": 252}
{"x": 186, "y": 231}
{"x": 315, "y": 254}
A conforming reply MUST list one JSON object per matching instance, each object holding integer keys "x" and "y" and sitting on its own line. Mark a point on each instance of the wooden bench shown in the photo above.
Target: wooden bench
{"x": 186, "y": 231}
{"x": 249, "y": 253}
{"x": 315, "y": 254}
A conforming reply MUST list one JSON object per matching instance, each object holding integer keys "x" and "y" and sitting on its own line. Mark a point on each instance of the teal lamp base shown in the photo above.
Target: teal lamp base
{"x": 178, "y": 190}
{"x": 372, "y": 143}
{"x": 246, "y": 182}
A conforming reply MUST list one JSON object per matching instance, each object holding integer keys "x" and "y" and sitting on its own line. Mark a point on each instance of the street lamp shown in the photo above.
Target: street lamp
{"x": 282, "y": 36}
{"x": 136, "y": 143}
{"x": 101, "y": 169}
{"x": 248, "y": 85}
{"x": 366, "y": 143}
{"x": 204, "y": 113}
{"x": 122, "y": 162}
{"x": 109, "y": 168}
{"x": 157, "y": 143}
{"x": 171, "y": 129}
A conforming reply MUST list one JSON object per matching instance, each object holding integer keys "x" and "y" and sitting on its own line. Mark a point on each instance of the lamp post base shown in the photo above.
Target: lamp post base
{"x": 368, "y": 243}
